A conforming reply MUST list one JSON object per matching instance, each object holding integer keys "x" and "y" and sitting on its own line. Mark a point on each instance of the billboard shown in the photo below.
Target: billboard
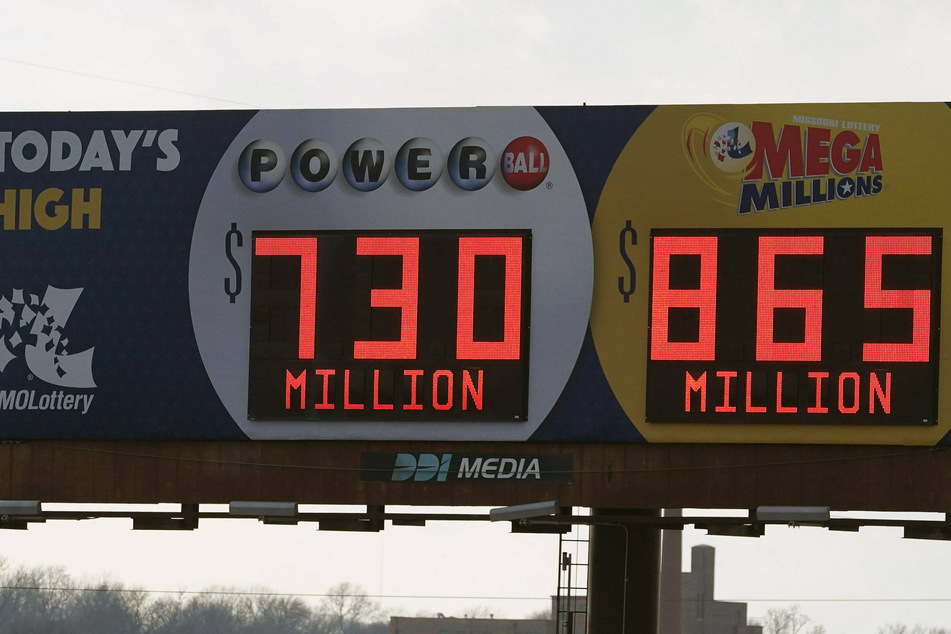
{"x": 713, "y": 274}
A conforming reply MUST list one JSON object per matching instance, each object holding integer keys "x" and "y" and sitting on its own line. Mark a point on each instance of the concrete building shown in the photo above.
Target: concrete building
{"x": 453, "y": 625}
{"x": 687, "y": 606}
{"x": 700, "y": 613}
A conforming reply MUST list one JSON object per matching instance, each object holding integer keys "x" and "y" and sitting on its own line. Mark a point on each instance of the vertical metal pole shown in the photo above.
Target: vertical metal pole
{"x": 671, "y": 615}
{"x": 569, "y": 626}
{"x": 561, "y": 567}
{"x": 624, "y": 575}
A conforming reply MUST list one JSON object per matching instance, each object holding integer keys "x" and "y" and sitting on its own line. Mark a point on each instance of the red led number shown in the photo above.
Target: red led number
{"x": 404, "y": 298}
{"x": 665, "y": 298}
{"x": 769, "y": 298}
{"x": 919, "y": 301}
{"x": 510, "y": 346}
{"x": 306, "y": 249}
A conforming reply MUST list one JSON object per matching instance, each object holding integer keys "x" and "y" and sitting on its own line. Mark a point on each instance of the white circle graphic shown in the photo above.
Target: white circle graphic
{"x": 562, "y": 256}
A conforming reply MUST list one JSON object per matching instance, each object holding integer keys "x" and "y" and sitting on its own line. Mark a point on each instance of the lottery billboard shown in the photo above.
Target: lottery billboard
{"x": 715, "y": 274}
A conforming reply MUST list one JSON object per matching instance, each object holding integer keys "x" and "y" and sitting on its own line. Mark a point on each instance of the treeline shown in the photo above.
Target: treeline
{"x": 792, "y": 620}
{"x": 901, "y": 628}
{"x": 50, "y": 601}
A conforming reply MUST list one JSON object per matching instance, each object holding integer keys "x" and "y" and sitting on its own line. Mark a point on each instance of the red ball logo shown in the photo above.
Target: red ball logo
{"x": 525, "y": 163}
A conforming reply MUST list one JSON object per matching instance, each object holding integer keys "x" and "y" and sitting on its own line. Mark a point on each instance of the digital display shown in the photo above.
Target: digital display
{"x": 829, "y": 326}
{"x": 390, "y": 325}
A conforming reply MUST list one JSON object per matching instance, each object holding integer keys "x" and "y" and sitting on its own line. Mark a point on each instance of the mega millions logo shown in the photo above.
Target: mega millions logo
{"x": 766, "y": 166}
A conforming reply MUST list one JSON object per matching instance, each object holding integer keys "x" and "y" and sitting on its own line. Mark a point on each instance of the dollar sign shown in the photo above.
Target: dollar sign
{"x": 239, "y": 242}
{"x": 627, "y": 233}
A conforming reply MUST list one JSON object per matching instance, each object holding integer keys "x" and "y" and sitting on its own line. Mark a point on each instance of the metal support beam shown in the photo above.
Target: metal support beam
{"x": 624, "y": 574}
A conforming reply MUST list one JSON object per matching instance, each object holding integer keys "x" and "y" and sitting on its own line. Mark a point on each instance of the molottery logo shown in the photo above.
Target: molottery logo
{"x": 32, "y": 328}
{"x": 809, "y": 161}
{"x": 419, "y": 164}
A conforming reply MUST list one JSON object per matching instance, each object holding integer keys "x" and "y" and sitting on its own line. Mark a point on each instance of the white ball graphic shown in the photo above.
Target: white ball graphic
{"x": 261, "y": 166}
{"x": 314, "y": 165}
{"x": 472, "y": 163}
{"x": 419, "y": 164}
{"x": 366, "y": 164}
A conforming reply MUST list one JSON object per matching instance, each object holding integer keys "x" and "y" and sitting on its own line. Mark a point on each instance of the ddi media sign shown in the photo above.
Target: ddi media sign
{"x": 714, "y": 274}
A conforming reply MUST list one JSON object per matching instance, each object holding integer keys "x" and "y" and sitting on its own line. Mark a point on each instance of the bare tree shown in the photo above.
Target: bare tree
{"x": 109, "y": 608}
{"x": 901, "y": 628}
{"x": 36, "y": 600}
{"x": 274, "y": 614}
{"x": 161, "y": 615}
{"x": 789, "y": 620}
{"x": 49, "y": 601}
{"x": 346, "y": 607}
{"x": 208, "y": 613}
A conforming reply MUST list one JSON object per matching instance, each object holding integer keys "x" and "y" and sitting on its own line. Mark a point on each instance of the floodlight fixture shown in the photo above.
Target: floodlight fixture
{"x": 524, "y": 511}
{"x": 793, "y": 514}
{"x": 15, "y": 508}
{"x": 262, "y": 509}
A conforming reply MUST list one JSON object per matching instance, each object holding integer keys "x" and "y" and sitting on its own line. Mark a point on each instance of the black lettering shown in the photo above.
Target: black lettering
{"x": 419, "y": 158}
{"x": 307, "y": 160}
{"x": 752, "y": 199}
{"x": 876, "y": 184}
{"x": 365, "y": 165}
{"x": 262, "y": 160}
{"x": 471, "y": 158}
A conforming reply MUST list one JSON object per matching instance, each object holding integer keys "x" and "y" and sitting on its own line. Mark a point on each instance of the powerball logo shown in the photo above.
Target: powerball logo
{"x": 762, "y": 166}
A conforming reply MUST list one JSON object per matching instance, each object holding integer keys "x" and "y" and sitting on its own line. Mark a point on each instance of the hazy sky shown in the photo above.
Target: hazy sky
{"x": 118, "y": 55}
{"x": 185, "y": 55}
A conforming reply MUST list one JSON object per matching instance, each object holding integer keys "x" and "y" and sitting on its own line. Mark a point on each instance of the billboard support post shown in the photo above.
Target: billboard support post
{"x": 624, "y": 575}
